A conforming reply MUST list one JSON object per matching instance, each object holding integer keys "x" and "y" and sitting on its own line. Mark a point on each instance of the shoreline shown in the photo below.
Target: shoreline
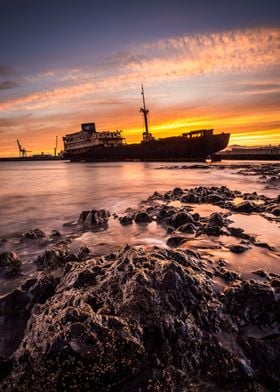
{"x": 147, "y": 316}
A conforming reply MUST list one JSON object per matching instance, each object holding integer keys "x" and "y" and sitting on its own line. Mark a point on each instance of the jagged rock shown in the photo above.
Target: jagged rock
{"x": 262, "y": 273}
{"x": 54, "y": 257}
{"x": 15, "y": 310}
{"x": 95, "y": 219}
{"x": 84, "y": 253}
{"x": 10, "y": 263}
{"x": 227, "y": 275}
{"x": 148, "y": 320}
{"x": 143, "y": 218}
{"x": 126, "y": 220}
{"x": 35, "y": 234}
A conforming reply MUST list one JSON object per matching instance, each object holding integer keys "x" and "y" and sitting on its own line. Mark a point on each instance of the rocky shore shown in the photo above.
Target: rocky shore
{"x": 171, "y": 318}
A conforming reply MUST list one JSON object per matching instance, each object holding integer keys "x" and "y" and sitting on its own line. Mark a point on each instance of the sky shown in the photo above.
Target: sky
{"x": 204, "y": 64}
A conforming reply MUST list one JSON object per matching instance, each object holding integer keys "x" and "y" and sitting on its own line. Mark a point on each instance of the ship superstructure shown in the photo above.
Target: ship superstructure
{"x": 89, "y": 145}
{"x": 87, "y": 138}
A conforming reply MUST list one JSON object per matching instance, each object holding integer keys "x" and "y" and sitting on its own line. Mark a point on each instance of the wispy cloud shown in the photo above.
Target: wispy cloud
{"x": 8, "y": 85}
{"x": 216, "y": 57}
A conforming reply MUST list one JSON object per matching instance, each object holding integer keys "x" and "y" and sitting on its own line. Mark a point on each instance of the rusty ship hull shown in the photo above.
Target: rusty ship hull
{"x": 178, "y": 148}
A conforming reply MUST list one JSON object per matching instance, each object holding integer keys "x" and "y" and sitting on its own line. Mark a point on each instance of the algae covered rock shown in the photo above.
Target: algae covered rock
{"x": 147, "y": 320}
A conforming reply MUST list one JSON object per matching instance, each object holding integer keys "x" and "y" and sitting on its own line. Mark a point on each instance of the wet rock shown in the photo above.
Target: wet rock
{"x": 95, "y": 219}
{"x": 35, "y": 234}
{"x": 222, "y": 262}
{"x": 212, "y": 230}
{"x": 239, "y": 233}
{"x": 176, "y": 240}
{"x": 55, "y": 234}
{"x": 54, "y": 257}
{"x": 177, "y": 192}
{"x": 143, "y": 218}
{"x": 275, "y": 282}
{"x": 216, "y": 219}
{"x": 253, "y": 302}
{"x": 188, "y": 228}
{"x": 196, "y": 217}
{"x": 262, "y": 273}
{"x": 84, "y": 253}
{"x": 181, "y": 218}
{"x": 10, "y": 263}
{"x": 264, "y": 245}
{"x": 214, "y": 198}
{"x": 238, "y": 248}
{"x": 229, "y": 276}
{"x": 126, "y": 220}
{"x": 15, "y": 310}
{"x": 247, "y": 207}
{"x": 276, "y": 211}
{"x": 147, "y": 320}
{"x": 190, "y": 198}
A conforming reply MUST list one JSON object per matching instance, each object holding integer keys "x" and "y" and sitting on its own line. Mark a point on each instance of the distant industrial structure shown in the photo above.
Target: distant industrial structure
{"x": 251, "y": 153}
{"x": 22, "y": 151}
{"x": 23, "y": 154}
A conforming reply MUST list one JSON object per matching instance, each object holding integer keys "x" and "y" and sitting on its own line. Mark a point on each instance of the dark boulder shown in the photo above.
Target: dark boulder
{"x": 15, "y": 310}
{"x": 246, "y": 206}
{"x": 94, "y": 219}
{"x": 238, "y": 248}
{"x": 215, "y": 198}
{"x": 55, "y": 234}
{"x": 35, "y": 234}
{"x": 126, "y": 220}
{"x": 146, "y": 320}
{"x": 213, "y": 230}
{"x": 143, "y": 218}
{"x": 216, "y": 219}
{"x": 10, "y": 263}
{"x": 54, "y": 257}
{"x": 177, "y": 192}
{"x": 176, "y": 240}
{"x": 188, "y": 228}
{"x": 276, "y": 211}
{"x": 181, "y": 218}
{"x": 190, "y": 198}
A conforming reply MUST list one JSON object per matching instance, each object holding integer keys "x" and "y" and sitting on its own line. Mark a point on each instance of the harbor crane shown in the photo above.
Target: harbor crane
{"x": 22, "y": 151}
{"x": 55, "y": 148}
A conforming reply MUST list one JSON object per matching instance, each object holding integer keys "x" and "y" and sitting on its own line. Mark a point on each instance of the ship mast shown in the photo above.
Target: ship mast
{"x": 146, "y": 135}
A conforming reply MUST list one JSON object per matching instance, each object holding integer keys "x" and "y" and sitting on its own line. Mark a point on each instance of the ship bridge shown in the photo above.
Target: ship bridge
{"x": 198, "y": 133}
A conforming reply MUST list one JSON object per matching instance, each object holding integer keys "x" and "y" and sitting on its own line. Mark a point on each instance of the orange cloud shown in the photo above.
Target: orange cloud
{"x": 72, "y": 96}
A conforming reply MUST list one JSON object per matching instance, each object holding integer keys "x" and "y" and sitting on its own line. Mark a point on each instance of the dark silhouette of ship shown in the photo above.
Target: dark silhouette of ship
{"x": 90, "y": 146}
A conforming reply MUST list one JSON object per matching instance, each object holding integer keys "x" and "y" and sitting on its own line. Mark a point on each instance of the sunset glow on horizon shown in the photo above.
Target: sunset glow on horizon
{"x": 228, "y": 79}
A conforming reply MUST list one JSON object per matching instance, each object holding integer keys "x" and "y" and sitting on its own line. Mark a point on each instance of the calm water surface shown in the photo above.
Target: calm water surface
{"x": 48, "y": 194}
